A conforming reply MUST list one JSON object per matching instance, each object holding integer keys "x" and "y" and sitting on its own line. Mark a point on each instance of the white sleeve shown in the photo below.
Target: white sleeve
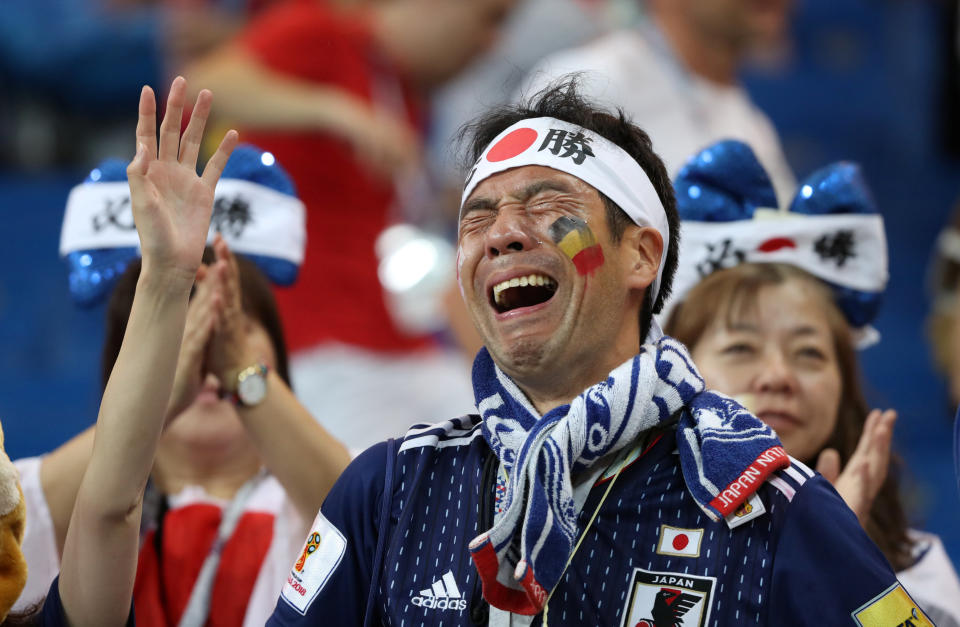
{"x": 932, "y": 580}
{"x": 39, "y": 540}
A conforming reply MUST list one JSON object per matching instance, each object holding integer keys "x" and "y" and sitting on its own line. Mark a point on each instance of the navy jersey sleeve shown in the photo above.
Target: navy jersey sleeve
{"x": 53, "y": 615}
{"x": 329, "y": 582}
{"x": 827, "y": 571}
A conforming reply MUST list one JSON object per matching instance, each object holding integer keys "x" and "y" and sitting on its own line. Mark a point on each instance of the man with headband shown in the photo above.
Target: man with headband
{"x": 600, "y": 484}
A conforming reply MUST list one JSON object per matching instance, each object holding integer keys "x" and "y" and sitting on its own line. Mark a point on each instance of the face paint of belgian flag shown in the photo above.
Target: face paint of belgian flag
{"x": 578, "y": 242}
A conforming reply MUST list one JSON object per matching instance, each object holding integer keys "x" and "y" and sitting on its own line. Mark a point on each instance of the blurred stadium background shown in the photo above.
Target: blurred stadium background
{"x": 873, "y": 81}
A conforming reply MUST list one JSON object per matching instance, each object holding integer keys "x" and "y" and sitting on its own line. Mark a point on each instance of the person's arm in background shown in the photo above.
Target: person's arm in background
{"x": 253, "y": 92}
{"x": 256, "y": 96}
{"x": 171, "y": 208}
{"x": 300, "y": 453}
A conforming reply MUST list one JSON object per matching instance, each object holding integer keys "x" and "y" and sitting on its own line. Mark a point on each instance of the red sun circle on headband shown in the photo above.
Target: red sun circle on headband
{"x": 680, "y": 541}
{"x": 776, "y": 243}
{"x": 512, "y": 144}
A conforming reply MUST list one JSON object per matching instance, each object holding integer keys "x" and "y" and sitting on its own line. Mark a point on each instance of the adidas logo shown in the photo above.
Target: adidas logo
{"x": 443, "y": 594}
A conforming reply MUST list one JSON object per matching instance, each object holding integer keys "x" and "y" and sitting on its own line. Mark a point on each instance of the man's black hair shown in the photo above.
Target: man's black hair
{"x": 561, "y": 100}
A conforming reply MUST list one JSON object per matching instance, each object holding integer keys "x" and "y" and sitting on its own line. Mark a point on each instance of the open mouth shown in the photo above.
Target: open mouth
{"x": 525, "y": 291}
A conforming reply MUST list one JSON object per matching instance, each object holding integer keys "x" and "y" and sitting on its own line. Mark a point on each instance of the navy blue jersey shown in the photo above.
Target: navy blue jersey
{"x": 793, "y": 554}
{"x": 52, "y": 614}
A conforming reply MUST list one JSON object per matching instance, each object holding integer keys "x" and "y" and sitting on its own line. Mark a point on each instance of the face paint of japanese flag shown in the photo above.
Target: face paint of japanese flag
{"x": 581, "y": 153}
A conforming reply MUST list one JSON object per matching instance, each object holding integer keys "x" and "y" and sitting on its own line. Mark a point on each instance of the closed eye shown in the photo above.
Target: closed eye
{"x": 477, "y": 219}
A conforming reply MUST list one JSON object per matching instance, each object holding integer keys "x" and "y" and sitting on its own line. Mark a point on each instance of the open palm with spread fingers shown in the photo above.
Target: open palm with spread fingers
{"x": 171, "y": 206}
{"x": 171, "y": 203}
{"x": 860, "y": 480}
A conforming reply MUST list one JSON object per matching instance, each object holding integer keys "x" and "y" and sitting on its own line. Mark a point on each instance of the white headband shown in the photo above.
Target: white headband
{"x": 583, "y": 154}
{"x": 252, "y": 218}
{"x": 849, "y": 250}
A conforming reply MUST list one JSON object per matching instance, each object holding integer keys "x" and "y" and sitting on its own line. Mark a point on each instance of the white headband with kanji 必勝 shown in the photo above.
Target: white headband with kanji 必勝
{"x": 846, "y": 250}
{"x": 256, "y": 210}
{"x": 581, "y": 153}
{"x": 832, "y": 230}
{"x": 252, "y": 218}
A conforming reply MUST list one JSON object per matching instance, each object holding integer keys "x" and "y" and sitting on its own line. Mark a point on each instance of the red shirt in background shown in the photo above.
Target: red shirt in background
{"x": 338, "y": 296}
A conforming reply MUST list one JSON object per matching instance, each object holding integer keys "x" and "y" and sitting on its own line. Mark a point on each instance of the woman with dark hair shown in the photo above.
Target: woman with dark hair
{"x": 241, "y": 467}
{"x": 773, "y": 338}
{"x": 779, "y": 332}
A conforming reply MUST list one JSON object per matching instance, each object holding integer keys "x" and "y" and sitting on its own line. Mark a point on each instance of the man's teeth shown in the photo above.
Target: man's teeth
{"x": 523, "y": 281}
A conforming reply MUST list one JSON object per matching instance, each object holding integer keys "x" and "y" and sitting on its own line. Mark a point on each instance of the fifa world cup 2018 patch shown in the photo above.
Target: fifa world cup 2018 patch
{"x": 313, "y": 543}
{"x": 322, "y": 553}
{"x": 892, "y": 607}
{"x": 663, "y": 598}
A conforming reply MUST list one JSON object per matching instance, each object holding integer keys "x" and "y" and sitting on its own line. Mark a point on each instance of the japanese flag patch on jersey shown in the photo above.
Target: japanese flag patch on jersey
{"x": 679, "y": 542}
{"x": 321, "y": 554}
{"x": 660, "y": 598}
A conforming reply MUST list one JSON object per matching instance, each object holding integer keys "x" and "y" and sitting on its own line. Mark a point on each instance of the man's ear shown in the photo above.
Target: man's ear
{"x": 645, "y": 246}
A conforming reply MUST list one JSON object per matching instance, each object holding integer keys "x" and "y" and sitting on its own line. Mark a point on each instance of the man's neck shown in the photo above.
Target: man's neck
{"x": 560, "y": 389}
{"x": 545, "y": 403}
{"x": 711, "y": 58}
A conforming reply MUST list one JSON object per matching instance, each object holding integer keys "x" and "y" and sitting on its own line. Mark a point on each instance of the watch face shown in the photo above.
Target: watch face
{"x": 252, "y": 388}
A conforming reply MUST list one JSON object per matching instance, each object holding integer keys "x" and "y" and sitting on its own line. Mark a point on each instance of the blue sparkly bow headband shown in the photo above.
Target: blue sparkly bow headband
{"x": 832, "y": 229}
{"x": 256, "y": 210}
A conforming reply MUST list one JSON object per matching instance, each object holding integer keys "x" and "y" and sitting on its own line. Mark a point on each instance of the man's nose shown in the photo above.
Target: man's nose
{"x": 511, "y": 232}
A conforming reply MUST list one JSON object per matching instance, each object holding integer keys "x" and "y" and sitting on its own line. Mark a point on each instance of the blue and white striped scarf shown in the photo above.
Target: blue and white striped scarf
{"x": 725, "y": 454}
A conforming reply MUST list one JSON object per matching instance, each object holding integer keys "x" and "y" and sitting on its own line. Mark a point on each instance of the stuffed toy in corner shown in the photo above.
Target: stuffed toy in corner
{"x": 13, "y": 515}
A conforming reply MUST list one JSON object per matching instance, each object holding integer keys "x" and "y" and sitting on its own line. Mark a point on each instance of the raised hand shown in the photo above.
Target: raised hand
{"x": 865, "y": 472}
{"x": 203, "y": 317}
{"x": 171, "y": 207}
{"x": 171, "y": 204}
{"x": 229, "y": 350}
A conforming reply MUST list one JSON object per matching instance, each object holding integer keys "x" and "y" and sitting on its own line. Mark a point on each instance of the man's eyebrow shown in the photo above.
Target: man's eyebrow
{"x": 525, "y": 194}
{"x": 477, "y": 204}
{"x": 546, "y": 185}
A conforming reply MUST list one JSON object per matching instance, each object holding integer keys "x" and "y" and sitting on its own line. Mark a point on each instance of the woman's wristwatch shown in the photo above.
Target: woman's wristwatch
{"x": 250, "y": 386}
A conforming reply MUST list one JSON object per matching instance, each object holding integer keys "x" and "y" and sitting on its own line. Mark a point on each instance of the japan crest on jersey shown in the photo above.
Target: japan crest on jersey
{"x": 663, "y": 598}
